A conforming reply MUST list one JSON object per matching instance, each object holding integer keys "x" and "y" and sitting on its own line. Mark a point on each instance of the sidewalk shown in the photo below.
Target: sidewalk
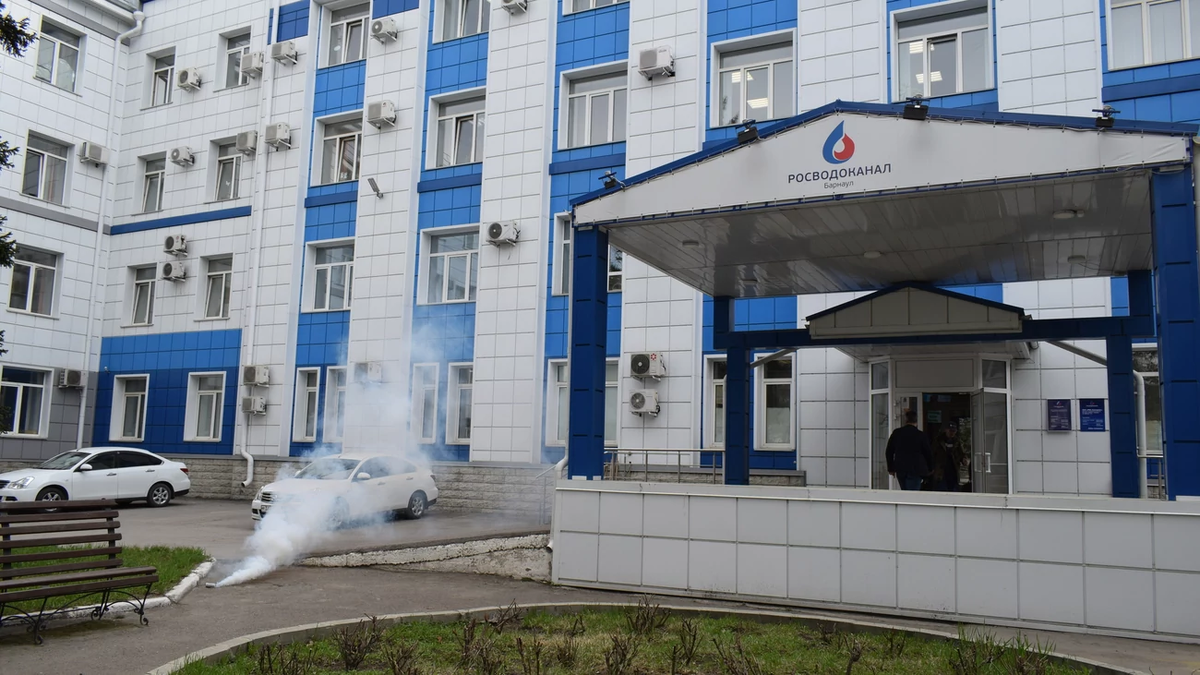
{"x": 305, "y": 595}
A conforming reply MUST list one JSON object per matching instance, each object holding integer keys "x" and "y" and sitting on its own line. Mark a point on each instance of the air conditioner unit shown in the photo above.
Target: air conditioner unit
{"x": 175, "y": 244}
{"x": 188, "y": 78}
{"x": 183, "y": 156}
{"x": 385, "y": 30}
{"x": 514, "y": 6}
{"x": 647, "y": 364}
{"x": 503, "y": 234}
{"x": 70, "y": 379}
{"x": 656, "y": 61}
{"x": 173, "y": 271}
{"x": 368, "y": 371}
{"x": 285, "y": 51}
{"x": 247, "y": 142}
{"x": 380, "y": 113}
{"x": 252, "y": 64}
{"x": 93, "y": 152}
{"x": 255, "y": 376}
{"x": 279, "y": 135}
{"x": 644, "y": 402}
{"x": 254, "y": 405}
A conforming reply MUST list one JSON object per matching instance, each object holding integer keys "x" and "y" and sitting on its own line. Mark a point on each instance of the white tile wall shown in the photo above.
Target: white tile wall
{"x": 1048, "y": 56}
{"x": 842, "y": 52}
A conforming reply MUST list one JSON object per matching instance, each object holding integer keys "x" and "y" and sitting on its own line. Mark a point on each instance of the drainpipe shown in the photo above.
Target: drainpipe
{"x": 138, "y": 18}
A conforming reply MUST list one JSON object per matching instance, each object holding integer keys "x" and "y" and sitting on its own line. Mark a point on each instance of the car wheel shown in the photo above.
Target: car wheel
{"x": 52, "y": 494}
{"x": 416, "y": 505}
{"x": 339, "y": 515}
{"x": 160, "y": 495}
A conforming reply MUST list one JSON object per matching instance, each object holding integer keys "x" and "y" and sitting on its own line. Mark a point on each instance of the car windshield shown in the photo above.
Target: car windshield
{"x": 329, "y": 468}
{"x": 65, "y": 460}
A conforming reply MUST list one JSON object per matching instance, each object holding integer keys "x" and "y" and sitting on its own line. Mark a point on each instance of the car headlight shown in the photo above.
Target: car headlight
{"x": 258, "y": 495}
{"x": 21, "y": 483}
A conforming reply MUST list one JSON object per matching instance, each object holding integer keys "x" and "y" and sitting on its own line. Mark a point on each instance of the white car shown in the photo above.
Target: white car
{"x": 340, "y": 489}
{"x": 123, "y": 474}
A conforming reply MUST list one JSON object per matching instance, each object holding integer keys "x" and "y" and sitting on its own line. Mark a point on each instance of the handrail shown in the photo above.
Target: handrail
{"x": 612, "y": 467}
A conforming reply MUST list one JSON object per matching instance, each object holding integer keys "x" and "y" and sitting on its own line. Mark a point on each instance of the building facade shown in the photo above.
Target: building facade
{"x": 304, "y": 226}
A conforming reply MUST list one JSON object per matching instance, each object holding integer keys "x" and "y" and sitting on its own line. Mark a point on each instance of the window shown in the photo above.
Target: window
{"x": 152, "y": 189}
{"x": 458, "y": 417}
{"x": 612, "y": 405}
{"x": 204, "y": 406}
{"x": 616, "y": 264}
{"x": 235, "y": 47}
{"x": 341, "y": 152}
{"x": 453, "y": 267}
{"x": 460, "y": 132}
{"x": 716, "y": 403}
{"x": 58, "y": 56}
{"x": 582, "y": 5}
{"x": 129, "y": 408}
{"x": 162, "y": 79}
{"x": 755, "y": 84}
{"x": 562, "y": 253}
{"x": 347, "y": 34}
{"x": 596, "y": 109}
{"x": 1153, "y": 31}
{"x": 943, "y": 54}
{"x": 465, "y": 17}
{"x": 424, "y": 397}
{"x": 22, "y": 393}
{"x": 559, "y": 398}
{"x": 104, "y": 460}
{"x": 229, "y": 169}
{"x": 220, "y": 280}
{"x": 335, "y": 404}
{"x": 129, "y": 460}
{"x": 308, "y": 384}
{"x": 774, "y": 408}
{"x": 334, "y": 278}
{"x": 45, "y": 169}
{"x": 143, "y": 296}
{"x": 32, "y": 288}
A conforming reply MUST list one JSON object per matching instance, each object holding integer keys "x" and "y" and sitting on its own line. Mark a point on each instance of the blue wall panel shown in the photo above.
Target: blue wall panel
{"x": 330, "y": 222}
{"x": 388, "y": 7}
{"x": 590, "y": 38}
{"x": 444, "y": 334}
{"x": 1153, "y": 93}
{"x": 293, "y": 20}
{"x": 444, "y": 208}
{"x": 321, "y": 341}
{"x": 340, "y": 88}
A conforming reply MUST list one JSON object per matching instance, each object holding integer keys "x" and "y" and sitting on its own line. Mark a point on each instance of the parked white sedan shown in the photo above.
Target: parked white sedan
{"x": 123, "y": 474}
{"x": 340, "y": 489}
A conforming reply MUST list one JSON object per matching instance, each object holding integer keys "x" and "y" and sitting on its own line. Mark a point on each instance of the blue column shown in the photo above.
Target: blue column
{"x": 1177, "y": 284}
{"x": 589, "y": 324}
{"x": 1122, "y": 436}
{"x": 737, "y": 396}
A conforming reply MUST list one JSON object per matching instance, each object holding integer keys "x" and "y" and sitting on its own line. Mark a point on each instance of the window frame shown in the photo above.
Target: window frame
{"x": 564, "y": 242}
{"x": 436, "y": 117}
{"x": 1189, "y": 44}
{"x": 568, "y": 79}
{"x": 615, "y": 385}
{"x": 44, "y": 39}
{"x": 44, "y": 156}
{"x": 419, "y": 434}
{"x": 901, "y": 17}
{"x": 363, "y": 19}
{"x": 426, "y": 265}
{"x": 711, "y": 383}
{"x": 233, "y": 56}
{"x": 341, "y": 138}
{"x": 333, "y": 431}
{"x": 556, "y": 412}
{"x": 614, "y": 273}
{"x": 116, "y": 427}
{"x": 765, "y": 41}
{"x": 192, "y": 412}
{"x": 592, "y": 4}
{"x": 226, "y": 154}
{"x": 482, "y": 26}
{"x": 761, "y": 382}
{"x": 453, "y": 402}
{"x": 168, "y": 82}
{"x": 159, "y": 175}
{"x": 136, "y": 288}
{"x": 44, "y": 402}
{"x": 226, "y": 288}
{"x": 311, "y": 275}
{"x": 30, "y": 291}
{"x": 301, "y": 404}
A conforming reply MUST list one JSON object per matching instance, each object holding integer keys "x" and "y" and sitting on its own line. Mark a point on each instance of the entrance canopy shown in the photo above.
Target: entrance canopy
{"x": 855, "y": 197}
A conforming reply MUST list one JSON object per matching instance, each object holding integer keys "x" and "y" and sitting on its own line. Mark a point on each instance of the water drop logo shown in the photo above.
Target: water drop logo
{"x": 831, "y": 152}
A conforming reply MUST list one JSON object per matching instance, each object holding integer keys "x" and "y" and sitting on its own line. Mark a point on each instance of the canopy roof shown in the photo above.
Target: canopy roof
{"x": 854, "y": 197}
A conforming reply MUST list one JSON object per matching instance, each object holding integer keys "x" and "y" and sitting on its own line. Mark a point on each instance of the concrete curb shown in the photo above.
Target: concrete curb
{"x": 432, "y": 553}
{"x": 326, "y": 628}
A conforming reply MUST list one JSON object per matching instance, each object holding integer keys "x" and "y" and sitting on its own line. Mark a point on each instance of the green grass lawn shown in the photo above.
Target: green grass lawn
{"x": 632, "y": 642}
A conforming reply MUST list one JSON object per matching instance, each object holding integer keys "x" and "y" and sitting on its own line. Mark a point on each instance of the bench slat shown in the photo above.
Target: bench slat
{"x": 59, "y": 555}
{"x": 19, "y": 530}
{"x": 6, "y": 519}
{"x": 62, "y": 567}
{"x": 60, "y": 541}
{"x": 78, "y": 577}
{"x": 76, "y": 589}
{"x": 65, "y": 505}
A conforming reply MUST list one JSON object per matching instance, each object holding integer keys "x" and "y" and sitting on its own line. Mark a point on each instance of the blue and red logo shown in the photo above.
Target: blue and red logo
{"x": 839, "y": 147}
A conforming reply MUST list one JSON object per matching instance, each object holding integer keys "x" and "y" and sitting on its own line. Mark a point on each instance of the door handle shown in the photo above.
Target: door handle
{"x": 987, "y": 462}
{"x": 149, "y": 470}
{"x": 409, "y": 478}
{"x": 113, "y": 473}
{"x": 379, "y": 483}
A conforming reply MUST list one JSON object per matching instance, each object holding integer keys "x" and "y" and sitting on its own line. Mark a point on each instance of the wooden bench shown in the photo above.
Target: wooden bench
{"x": 92, "y": 567}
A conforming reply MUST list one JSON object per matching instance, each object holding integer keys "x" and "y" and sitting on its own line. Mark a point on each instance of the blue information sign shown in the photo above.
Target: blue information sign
{"x": 1058, "y": 414}
{"x": 1091, "y": 414}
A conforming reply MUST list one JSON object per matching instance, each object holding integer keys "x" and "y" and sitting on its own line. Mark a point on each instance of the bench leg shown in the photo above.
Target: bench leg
{"x": 138, "y": 604}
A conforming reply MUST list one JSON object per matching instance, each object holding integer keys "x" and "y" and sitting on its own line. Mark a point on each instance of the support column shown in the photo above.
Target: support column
{"x": 737, "y": 395}
{"x": 589, "y": 325}
{"x": 1122, "y": 436}
{"x": 1177, "y": 284}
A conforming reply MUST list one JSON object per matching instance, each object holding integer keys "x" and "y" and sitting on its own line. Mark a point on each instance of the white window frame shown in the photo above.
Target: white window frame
{"x": 1190, "y": 43}
{"x": 153, "y": 182}
{"x": 344, "y": 26}
{"x": 43, "y": 405}
{"x": 453, "y": 410}
{"x": 310, "y": 275}
{"x": 335, "y": 403}
{"x": 226, "y": 279}
{"x": 572, "y": 6}
{"x": 711, "y": 383}
{"x": 161, "y": 86}
{"x": 341, "y": 139}
{"x": 557, "y": 409}
{"x": 566, "y": 126}
{"x": 901, "y": 17}
{"x": 482, "y": 23}
{"x": 46, "y": 41}
{"x": 137, "y": 287}
{"x": 613, "y": 384}
{"x": 564, "y": 240}
{"x": 616, "y": 254}
{"x": 420, "y": 433}
{"x": 120, "y": 400}
{"x": 44, "y": 158}
{"x": 764, "y": 41}
{"x": 427, "y": 237}
{"x": 760, "y": 406}
{"x": 436, "y": 117}
{"x": 192, "y": 412}
{"x": 301, "y": 409}
{"x": 233, "y": 57}
{"x": 34, "y": 268}
{"x": 225, "y": 154}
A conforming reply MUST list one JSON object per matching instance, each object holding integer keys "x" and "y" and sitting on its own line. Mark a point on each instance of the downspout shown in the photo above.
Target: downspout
{"x": 138, "y": 18}
{"x": 266, "y": 108}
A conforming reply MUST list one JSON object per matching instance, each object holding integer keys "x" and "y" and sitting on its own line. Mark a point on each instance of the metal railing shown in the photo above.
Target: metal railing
{"x": 619, "y": 463}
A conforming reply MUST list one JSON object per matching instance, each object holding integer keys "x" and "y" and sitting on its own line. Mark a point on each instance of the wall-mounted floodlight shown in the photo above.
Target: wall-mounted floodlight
{"x": 375, "y": 187}
{"x": 915, "y": 108}
{"x": 748, "y": 133}
{"x": 610, "y": 180}
{"x": 1106, "y": 120}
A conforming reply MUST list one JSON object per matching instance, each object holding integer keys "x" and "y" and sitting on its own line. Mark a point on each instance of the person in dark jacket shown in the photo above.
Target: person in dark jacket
{"x": 948, "y": 454}
{"x": 909, "y": 455}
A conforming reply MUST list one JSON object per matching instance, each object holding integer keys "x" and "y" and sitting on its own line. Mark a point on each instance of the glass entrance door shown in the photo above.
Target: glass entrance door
{"x": 989, "y": 442}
